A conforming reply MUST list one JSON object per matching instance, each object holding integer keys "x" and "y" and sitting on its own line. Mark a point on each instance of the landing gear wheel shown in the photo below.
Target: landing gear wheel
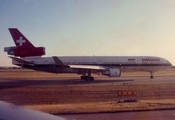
{"x": 152, "y": 77}
{"x": 82, "y": 77}
{"x": 87, "y": 78}
{"x": 152, "y": 74}
{"x": 91, "y": 78}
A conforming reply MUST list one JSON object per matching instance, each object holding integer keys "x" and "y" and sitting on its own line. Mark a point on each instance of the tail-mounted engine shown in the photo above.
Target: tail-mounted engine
{"x": 25, "y": 52}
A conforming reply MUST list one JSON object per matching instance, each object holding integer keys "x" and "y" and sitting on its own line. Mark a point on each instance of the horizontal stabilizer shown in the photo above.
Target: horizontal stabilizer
{"x": 22, "y": 61}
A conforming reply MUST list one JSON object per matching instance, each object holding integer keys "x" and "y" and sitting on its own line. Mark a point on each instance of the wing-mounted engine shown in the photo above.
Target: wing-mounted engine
{"x": 112, "y": 72}
{"x": 25, "y": 52}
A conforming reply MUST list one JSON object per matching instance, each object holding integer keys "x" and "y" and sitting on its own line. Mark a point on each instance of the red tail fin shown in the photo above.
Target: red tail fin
{"x": 19, "y": 39}
{"x": 23, "y": 48}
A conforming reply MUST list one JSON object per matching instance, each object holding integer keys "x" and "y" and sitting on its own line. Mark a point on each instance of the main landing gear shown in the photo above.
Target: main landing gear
{"x": 87, "y": 77}
{"x": 152, "y": 76}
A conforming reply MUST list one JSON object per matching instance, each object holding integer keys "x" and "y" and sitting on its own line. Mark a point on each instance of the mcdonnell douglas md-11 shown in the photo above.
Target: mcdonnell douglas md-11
{"x": 26, "y": 55}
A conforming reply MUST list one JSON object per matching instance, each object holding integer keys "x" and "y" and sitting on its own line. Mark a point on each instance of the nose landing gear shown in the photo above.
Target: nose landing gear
{"x": 152, "y": 76}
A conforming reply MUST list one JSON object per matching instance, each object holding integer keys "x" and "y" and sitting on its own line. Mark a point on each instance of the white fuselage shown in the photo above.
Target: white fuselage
{"x": 106, "y": 61}
{"x": 110, "y": 66}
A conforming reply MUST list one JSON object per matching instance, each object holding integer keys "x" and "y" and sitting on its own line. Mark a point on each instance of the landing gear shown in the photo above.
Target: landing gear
{"x": 152, "y": 76}
{"x": 91, "y": 78}
{"x": 87, "y": 77}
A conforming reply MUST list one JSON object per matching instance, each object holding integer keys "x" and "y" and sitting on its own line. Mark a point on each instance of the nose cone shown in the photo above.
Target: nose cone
{"x": 165, "y": 62}
{"x": 168, "y": 63}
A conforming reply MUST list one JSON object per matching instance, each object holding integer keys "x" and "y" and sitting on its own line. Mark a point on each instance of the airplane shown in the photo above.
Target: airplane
{"x": 26, "y": 55}
{"x": 10, "y": 111}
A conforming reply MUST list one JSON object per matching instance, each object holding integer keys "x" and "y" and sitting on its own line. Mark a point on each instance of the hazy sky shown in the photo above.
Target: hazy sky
{"x": 91, "y": 27}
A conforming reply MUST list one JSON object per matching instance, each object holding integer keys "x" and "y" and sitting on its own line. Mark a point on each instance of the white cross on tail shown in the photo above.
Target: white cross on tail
{"x": 21, "y": 41}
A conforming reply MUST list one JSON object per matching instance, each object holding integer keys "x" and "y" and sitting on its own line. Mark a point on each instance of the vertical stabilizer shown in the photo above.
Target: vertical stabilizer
{"x": 19, "y": 39}
{"x": 23, "y": 48}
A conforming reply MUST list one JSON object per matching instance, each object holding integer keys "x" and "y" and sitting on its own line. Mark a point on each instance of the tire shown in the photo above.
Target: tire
{"x": 91, "y": 78}
{"x": 152, "y": 77}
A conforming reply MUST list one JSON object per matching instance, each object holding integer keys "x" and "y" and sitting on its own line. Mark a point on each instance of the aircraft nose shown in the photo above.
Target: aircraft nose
{"x": 169, "y": 63}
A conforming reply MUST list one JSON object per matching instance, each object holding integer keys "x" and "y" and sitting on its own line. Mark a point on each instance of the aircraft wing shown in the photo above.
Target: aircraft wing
{"x": 90, "y": 67}
{"x": 23, "y": 61}
{"x": 12, "y": 112}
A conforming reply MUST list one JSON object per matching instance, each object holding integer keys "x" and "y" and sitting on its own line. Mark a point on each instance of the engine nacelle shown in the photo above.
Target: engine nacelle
{"x": 10, "y": 50}
{"x": 113, "y": 72}
{"x": 26, "y": 52}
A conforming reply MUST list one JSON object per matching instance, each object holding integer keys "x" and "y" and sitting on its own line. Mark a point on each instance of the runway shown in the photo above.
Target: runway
{"x": 98, "y": 81}
{"x": 63, "y": 94}
{"x": 143, "y": 115}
